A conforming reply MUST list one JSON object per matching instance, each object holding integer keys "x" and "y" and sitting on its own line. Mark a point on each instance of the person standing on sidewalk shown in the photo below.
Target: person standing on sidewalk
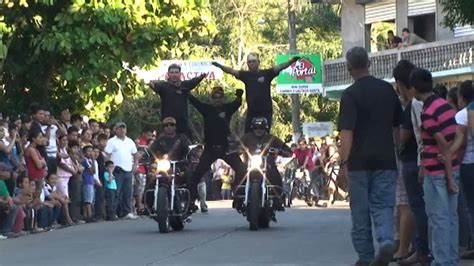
{"x": 123, "y": 153}
{"x": 369, "y": 118}
{"x": 441, "y": 176}
{"x": 412, "y": 145}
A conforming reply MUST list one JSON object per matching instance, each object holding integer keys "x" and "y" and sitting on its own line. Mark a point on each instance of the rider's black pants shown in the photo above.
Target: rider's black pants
{"x": 209, "y": 156}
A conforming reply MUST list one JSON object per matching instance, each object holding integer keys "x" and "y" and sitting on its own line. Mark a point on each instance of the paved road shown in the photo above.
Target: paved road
{"x": 302, "y": 236}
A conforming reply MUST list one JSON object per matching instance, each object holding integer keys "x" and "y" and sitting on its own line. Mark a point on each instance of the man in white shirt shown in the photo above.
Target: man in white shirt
{"x": 51, "y": 129}
{"x": 123, "y": 152}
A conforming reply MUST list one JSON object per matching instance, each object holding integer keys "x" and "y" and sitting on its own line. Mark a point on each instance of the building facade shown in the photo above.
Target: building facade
{"x": 448, "y": 54}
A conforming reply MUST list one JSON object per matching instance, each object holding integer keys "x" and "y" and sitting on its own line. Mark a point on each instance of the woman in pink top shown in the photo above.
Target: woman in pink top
{"x": 66, "y": 167}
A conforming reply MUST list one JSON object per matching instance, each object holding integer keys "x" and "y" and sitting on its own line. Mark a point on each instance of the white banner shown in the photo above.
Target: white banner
{"x": 189, "y": 69}
{"x": 299, "y": 88}
{"x": 317, "y": 129}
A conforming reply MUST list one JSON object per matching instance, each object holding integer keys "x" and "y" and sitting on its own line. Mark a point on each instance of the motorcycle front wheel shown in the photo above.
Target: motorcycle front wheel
{"x": 162, "y": 210}
{"x": 254, "y": 206}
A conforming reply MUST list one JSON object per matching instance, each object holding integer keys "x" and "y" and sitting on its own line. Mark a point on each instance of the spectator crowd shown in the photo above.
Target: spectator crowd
{"x": 61, "y": 172}
{"x": 56, "y": 173}
{"x": 408, "y": 155}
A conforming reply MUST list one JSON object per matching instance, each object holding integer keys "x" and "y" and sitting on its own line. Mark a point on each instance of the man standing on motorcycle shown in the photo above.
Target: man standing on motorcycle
{"x": 257, "y": 86}
{"x": 174, "y": 100}
{"x": 217, "y": 116}
{"x": 270, "y": 146}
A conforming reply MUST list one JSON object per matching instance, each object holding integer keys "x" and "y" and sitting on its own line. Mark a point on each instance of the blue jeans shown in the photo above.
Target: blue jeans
{"x": 415, "y": 195}
{"x": 124, "y": 192}
{"x": 111, "y": 203}
{"x": 47, "y": 216}
{"x": 441, "y": 208}
{"x": 372, "y": 195}
{"x": 467, "y": 180}
{"x": 6, "y": 225}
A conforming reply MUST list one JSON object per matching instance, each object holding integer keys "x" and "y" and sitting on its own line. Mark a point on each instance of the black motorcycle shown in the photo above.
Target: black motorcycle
{"x": 258, "y": 194}
{"x": 169, "y": 201}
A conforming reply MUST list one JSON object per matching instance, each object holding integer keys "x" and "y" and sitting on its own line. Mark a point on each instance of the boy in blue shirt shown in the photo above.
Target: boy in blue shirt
{"x": 110, "y": 191}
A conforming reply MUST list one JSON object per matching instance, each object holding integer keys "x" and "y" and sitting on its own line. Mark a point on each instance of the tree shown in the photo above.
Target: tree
{"x": 70, "y": 52}
{"x": 458, "y": 12}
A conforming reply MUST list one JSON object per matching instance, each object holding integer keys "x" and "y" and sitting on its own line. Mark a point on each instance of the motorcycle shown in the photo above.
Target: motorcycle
{"x": 170, "y": 198}
{"x": 259, "y": 195}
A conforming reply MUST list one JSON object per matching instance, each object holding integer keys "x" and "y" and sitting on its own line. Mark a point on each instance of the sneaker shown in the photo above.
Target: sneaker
{"x": 130, "y": 216}
{"x": 385, "y": 255}
{"x": 55, "y": 226}
{"x": 3, "y": 237}
{"x": 204, "y": 209}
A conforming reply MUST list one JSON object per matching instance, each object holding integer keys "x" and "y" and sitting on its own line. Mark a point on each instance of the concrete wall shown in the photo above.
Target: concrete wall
{"x": 401, "y": 20}
{"x": 352, "y": 22}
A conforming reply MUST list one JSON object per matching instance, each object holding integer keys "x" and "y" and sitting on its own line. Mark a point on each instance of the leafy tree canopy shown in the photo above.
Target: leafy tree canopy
{"x": 70, "y": 52}
{"x": 458, "y": 12}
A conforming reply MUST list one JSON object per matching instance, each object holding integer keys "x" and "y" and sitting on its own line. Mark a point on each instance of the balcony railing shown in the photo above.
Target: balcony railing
{"x": 436, "y": 56}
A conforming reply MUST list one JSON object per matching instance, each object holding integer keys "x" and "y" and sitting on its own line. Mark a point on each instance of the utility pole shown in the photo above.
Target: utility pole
{"x": 295, "y": 98}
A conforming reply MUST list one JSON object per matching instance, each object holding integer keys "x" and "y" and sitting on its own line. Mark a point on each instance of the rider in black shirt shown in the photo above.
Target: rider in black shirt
{"x": 259, "y": 140}
{"x": 170, "y": 143}
{"x": 217, "y": 116}
{"x": 174, "y": 97}
{"x": 257, "y": 87}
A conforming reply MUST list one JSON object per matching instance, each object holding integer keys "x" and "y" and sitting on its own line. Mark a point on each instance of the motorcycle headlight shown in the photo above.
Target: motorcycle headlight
{"x": 163, "y": 165}
{"x": 256, "y": 161}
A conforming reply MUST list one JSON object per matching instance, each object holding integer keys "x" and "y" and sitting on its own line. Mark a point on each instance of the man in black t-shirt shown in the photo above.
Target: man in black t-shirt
{"x": 257, "y": 87}
{"x": 264, "y": 143}
{"x": 174, "y": 97}
{"x": 170, "y": 143}
{"x": 217, "y": 116}
{"x": 410, "y": 164}
{"x": 369, "y": 120}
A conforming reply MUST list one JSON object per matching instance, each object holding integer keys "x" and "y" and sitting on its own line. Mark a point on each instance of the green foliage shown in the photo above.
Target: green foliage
{"x": 378, "y": 35}
{"x": 258, "y": 26}
{"x": 458, "y": 12}
{"x": 71, "y": 52}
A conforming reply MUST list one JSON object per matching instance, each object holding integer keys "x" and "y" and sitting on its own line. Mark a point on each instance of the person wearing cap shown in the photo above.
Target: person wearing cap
{"x": 170, "y": 143}
{"x": 174, "y": 97}
{"x": 123, "y": 153}
{"x": 260, "y": 139}
{"x": 257, "y": 87}
{"x": 217, "y": 116}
